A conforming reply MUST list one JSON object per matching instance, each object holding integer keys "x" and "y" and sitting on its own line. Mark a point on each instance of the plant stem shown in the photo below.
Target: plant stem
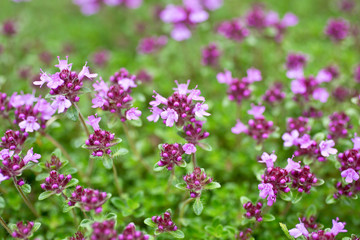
{"x": 182, "y": 209}
{"x": 116, "y": 179}
{"x": 194, "y": 160}
{"x": 3, "y": 223}
{"x": 76, "y": 220}
{"x": 287, "y": 208}
{"x": 172, "y": 175}
{"x": 27, "y": 202}
{"x": 82, "y": 120}
{"x": 63, "y": 150}
{"x": 133, "y": 147}
{"x": 85, "y": 215}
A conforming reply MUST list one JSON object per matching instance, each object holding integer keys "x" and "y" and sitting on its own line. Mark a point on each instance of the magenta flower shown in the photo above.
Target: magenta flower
{"x": 154, "y": 117}
{"x": 292, "y": 165}
{"x": 324, "y": 76}
{"x": 233, "y": 29}
{"x": 164, "y": 223}
{"x": 30, "y": 156}
{"x": 290, "y": 139}
{"x": 320, "y": 94}
{"x": 253, "y": 75}
{"x": 200, "y": 110}
{"x": 305, "y": 141}
{"x": 350, "y": 175}
{"x": 266, "y": 191}
{"x": 94, "y": 122}
{"x": 151, "y": 44}
{"x": 300, "y": 230}
{"x": 133, "y": 114}
{"x": 61, "y": 103}
{"x": 356, "y": 141}
{"x": 23, "y": 230}
{"x": 30, "y": 124}
{"x": 171, "y": 116}
{"x": 337, "y": 227}
{"x": 326, "y": 148}
{"x": 256, "y": 111}
{"x": 268, "y": 159}
{"x": 86, "y": 73}
{"x": 3, "y": 178}
{"x": 239, "y": 127}
{"x": 189, "y": 148}
{"x": 56, "y": 182}
{"x": 210, "y": 55}
{"x": 224, "y": 77}
{"x": 337, "y": 29}
{"x": 131, "y": 233}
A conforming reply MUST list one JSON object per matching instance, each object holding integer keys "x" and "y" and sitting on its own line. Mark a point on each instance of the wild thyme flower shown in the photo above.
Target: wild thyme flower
{"x": 210, "y": 55}
{"x": 9, "y": 28}
{"x": 253, "y": 210}
{"x": 88, "y": 199}
{"x": 100, "y": 141}
{"x": 131, "y": 233}
{"x": 337, "y": 29}
{"x": 181, "y": 108}
{"x": 196, "y": 181}
{"x": 13, "y": 140}
{"x": 233, "y": 29}
{"x": 65, "y": 85}
{"x": 53, "y": 164}
{"x": 77, "y": 236}
{"x": 244, "y": 235}
{"x": 348, "y": 190}
{"x": 310, "y": 223}
{"x": 23, "y": 230}
{"x": 90, "y": 7}
{"x": 4, "y": 105}
{"x": 339, "y": 125}
{"x": 56, "y": 182}
{"x": 303, "y": 179}
{"x": 274, "y": 94}
{"x": 104, "y": 230}
{"x": 171, "y": 154}
{"x": 164, "y": 223}
{"x": 194, "y": 132}
{"x": 151, "y": 44}
{"x": 300, "y": 124}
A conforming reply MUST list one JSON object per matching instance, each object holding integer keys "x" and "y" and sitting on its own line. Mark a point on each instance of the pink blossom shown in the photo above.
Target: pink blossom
{"x": 158, "y": 100}
{"x": 182, "y": 88}
{"x": 305, "y": 141}
{"x": 268, "y": 159}
{"x": 290, "y": 139}
{"x": 154, "y": 117}
{"x": 323, "y": 76}
{"x": 239, "y": 127}
{"x": 61, "y": 103}
{"x": 133, "y": 114}
{"x": 180, "y": 32}
{"x": 3, "y": 178}
{"x": 289, "y": 20}
{"x": 350, "y": 175}
{"x": 213, "y": 4}
{"x": 55, "y": 81}
{"x": 45, "y": 109}
{"x": 6, "y": 153}
{"x": 189, "y": 148}
{"x": 326, "y": 148}
{"x": 200, "y": 110}
{"x": 256, "y": 111}
{"x": 86, "y": 73}
{"x": 173, "y": 14}
{"x": 44, "y": 78}
{"x": 63, "y": 64}
{"x": 30, "y": 124}
{"x": 295, "y": 74}
{"x": 127, "y": 83}
{"x": 94, "y": 121}
{"x": 266, "y": 191}
{"x": 321, "y": 94}
{"x": 101, "y": 87}
{"x": 198, "y": 16}
{"x": 253, "y": 75}
{"x": 170, "y": 115}
{"x": 356, "y": 141}
{"x": 195, "y": 95}
{"x": 298, "y": 87}
{"x": 30, "y": 156}
{"x": 299, "y": 230}
{"x": 337, "y": 227}
{"x": 98, "y": 101}
{"x": 292, "y": 165}
{"x": 224, "y": 77}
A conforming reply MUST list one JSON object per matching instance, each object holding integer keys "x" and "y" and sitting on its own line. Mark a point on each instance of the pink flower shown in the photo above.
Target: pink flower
{"x": 320, "y": 94}
{"x": 5, "y": 153}
{"x": 61, "y": 103}
{"x": 182, "y": 88}
{"x": 94, "y": 121}
{"x": 224, "y": 77}
{"x": 86, "y": 73}
{"x": 290, "y": 139}
{"x": 45, "y": 109}
{"x": 44, "y": 78}
{"x": 326, "y": 148}
{"x": 338, "y": 227}
{"x": 154, "y": 117}
{"x": 298, "y": 87}
{"x": 133, "y": 114}
{"x": 180, "y": 32}
{"x": 350, "y": 175}
{"x": 30, "y": 156}
{"x": 239, "y": 127}
{"x": 3, "y": 178}
{"x": 54, "y": 81}
{"x": 289, "y": 20}
{"x": 268, "y": 159}
{"x": 299, "y": 230}
{"x": 189, "y": 148}
{"x": 101, "y": 87}
{"x": 266, "y": 191}
{"x": 256, "y": 111}
{"x": 305, "y": 141}
{"x": 63, "y": 64}
{"x": 253, "y": 75}
{"x": 356, "y": 141}
{"x": 158, "y": 100}
{"x": 195, "y": 95}
{"x": 127, "y": 83}
{"x": 30, "y": 124}
{"x": 200, "y": 110}
{"x": 173, "y": 14}
{"x": 98, "y": 101}
{"x": 292, "y": 165}
{"x": 170, "y": 115}
{"x": 323, "y": 76}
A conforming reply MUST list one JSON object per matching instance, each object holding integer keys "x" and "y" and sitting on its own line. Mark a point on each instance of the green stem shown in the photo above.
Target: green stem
{"x": 3, "y": 223}
{"x": 194, "y": 160}
{"x": 182, "y": 209}
{"x": 133, "y": 148}
{"x": 116, "y": 179}
{"x": 82, "y": 120}
{"x": 27, "y": 202}
{"x": 171, "y": 178}
{"x": 85, "y": 215}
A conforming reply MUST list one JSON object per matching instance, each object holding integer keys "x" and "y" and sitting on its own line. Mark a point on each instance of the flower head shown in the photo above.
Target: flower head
{"x": 268, "y": 159}
{"x": 326, "y": 148}
{"x": 350, "y": 175}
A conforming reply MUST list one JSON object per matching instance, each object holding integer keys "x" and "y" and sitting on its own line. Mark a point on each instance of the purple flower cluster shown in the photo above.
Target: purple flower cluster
{"x": 100, "y": 141}
{"x": 88, "y": 198}
{"x": 65, "y": 85}
{"x": 9, "y": 28}
{"x": 54, "y": 163}
{"x": 13, "y": 165}
{"x": 195, "y": 133}
{"x": 23, "y": 230}
{"x": 90, "y": 7}
{"x": 210, "y": 55}
{"x": 116, "y": 97}
{"x": 300, "y": 124}
{"x": 171, "y": 154}
{"x": 56, "y": 182}
{"x": 339, "y": 125}
{"x": 104, "y": 230}
{"x": 151, "y": 44}
{"x": 233, "y": 29}
{"x": 181, "y": 108}
{"x": 253, "y": 210}
{"x": 164, "y": 223}
{"x": 337, "y": 29}
{"x": 196, "y": 181}
{"x": 303, "y": 179}
{"x": 13, "y": 140}
{"x": 274, "y": 94}
{"x": 131, "y": 233}
{"x": 77, "y": 236}
{"x": 244, "y": 235}
{"x": 239, "y": 89}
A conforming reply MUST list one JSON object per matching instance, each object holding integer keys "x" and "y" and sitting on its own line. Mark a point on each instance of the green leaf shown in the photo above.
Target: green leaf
{"x": 286, "y": 196}
{"x": 132, "y": 204}
{"x": 72, "y": 114}
{"x": 2, "y": 203}
{"x": 26, "y": 188}
{"x": 72, "y": 182}
{"x": 298, "y": 196}
{"x": 107, "y": 162}
{"x": 244, "y": 200}
{"x": 212, "y": 185}
{"x": 319, "y": 182}
{"x": 136, "y": 123}
{"x": 149, "y": 222}
{"x": 330, "y": 200}
{"x": 177, "y": 234}
{"x": 67, "y": 208}
{"x": 41, "y": 176}
{"x": 182, "y": 164}
{"x": 268, "y": 217}
{"x": 157, "y": 168}
{"x": 36, "y": 226}
{"x": 45, "y": 195}
{"x": 70, "y": 170}
{"x": 205, "y": 146}
{"x": 86, "y": 223}
{"x": 118, "y": 203}
{"x": 286, "y": 231}
{"x": 111, "y": 216}
{"x": 311, "y": 211}
{"x": 181, "y": 186}
{"x": 181, "y": 134}
{"x": 198, "y": 206}
{"x": 120, "y": 152}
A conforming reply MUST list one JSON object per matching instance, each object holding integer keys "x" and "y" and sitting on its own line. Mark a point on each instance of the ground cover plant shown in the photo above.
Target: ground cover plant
{"x": 184, "y": 119}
